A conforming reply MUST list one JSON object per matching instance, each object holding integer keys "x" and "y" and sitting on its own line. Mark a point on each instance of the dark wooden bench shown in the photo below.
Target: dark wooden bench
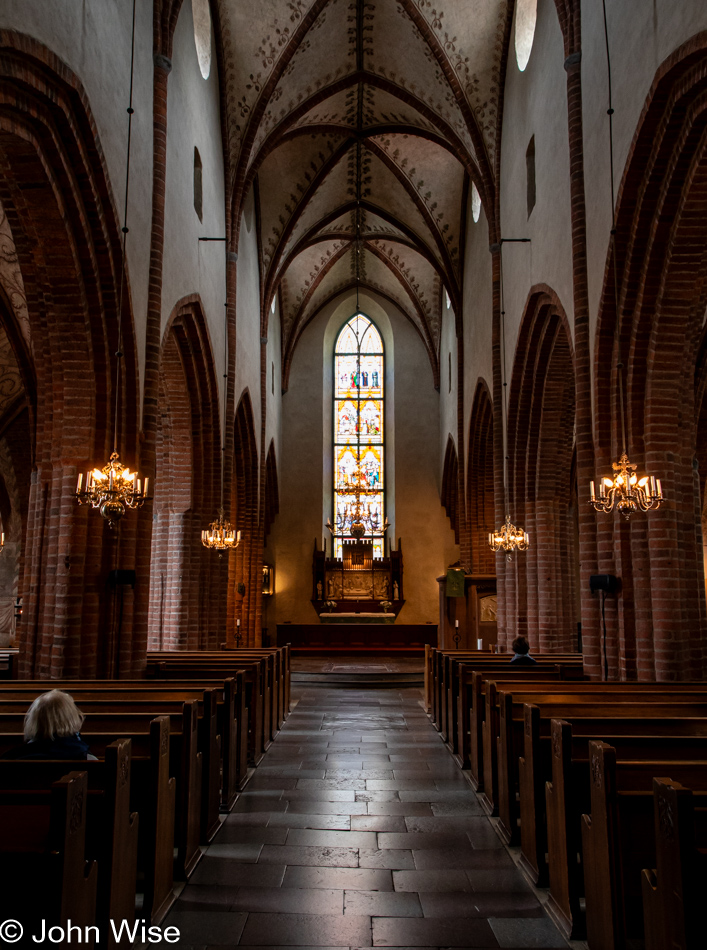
{"x": 43, "y": 842}
{"x": 673, "y": 891}
{"x": 185, "y": 763}
{"x": 505, "y": 723}
{"x": 618, "y": 839}
{"x": 111, "y": 827}
{"x": 555, "y": 759}
{"x": 258, "y": 694}
{"x": 508, "y": 722}
{"x": 455, "y": 669}
{"x": 472, "y": 709}
{"x": 568, "y": 797}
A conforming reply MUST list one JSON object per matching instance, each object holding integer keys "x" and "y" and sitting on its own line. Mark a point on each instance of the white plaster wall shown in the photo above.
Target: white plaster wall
{"x": 641, "y": 37}
{"x": 248, "y": 315}
{"x": 477, "y": 313}
{"x": 447, "y": 382}
{"x": 93, "y": 39}
{"x": 193, "y": 119}
{"x": 412, "y": 465}
{"x": 536, "y": 104}
{"x": 273, "y": 390}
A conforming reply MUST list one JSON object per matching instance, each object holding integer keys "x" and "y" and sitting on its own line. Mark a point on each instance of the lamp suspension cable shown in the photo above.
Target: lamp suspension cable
{"x": 624, "y": 491}
{"x": 357, "y": 514}
{"x": 221, "y": 535}
{"x": 507, "y": 538}
{"x": 114, "y": 488}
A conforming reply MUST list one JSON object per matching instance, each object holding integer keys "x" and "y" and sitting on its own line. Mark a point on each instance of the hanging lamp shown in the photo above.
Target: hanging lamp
{"x": 114, "y": 487}
{"x": 221, "y": 535}
{"x": 625, "y": 491}
{"x": 507, "y": 538}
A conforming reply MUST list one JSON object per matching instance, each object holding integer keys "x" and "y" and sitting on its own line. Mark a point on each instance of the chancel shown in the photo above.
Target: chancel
{"x": 347, "y": 349}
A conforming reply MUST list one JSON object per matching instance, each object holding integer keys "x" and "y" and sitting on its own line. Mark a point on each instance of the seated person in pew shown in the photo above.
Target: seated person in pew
{"x": 521, "y": 653}
{"x": 52, "y": 730}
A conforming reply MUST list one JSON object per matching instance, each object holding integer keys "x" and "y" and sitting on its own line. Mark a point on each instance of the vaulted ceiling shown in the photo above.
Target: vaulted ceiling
{"x": 361, "y": 124}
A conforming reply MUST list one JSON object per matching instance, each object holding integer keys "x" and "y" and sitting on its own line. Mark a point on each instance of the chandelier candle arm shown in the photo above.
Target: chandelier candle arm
{"x": 625, "y": 492}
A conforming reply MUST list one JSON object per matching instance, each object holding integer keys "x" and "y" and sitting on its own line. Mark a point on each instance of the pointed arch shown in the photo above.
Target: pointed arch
{"x": 480, "y": 493}
{"x": 450, "y": 486}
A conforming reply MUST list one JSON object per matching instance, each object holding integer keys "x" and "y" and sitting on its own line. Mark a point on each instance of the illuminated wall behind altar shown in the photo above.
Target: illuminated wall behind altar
{"x": 412, "y": 465}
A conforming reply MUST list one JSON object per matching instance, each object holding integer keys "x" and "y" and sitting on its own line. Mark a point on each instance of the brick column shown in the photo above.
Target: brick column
{"x": 148, "y": 448}
{"x": 582, "y": 366}
{"x": 499, "y": 496}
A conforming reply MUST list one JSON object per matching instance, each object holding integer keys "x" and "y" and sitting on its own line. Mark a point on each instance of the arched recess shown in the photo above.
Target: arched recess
{"x": 450, "y": 487}
{"x": 480, "y": 481}
{"x": 245, "y": 568}
{"x": 657, "y": 627}
{"x": 187, "y": 582}
{"x": 542, "y": 583}
{"x": 271, "y": 503}
{"x": 55, "y": 193}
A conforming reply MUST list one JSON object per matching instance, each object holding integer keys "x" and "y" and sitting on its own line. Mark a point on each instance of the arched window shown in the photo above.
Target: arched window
{"x": 359, "y": 416}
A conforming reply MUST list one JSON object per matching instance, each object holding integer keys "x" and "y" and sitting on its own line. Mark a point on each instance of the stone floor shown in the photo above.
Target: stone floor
{"x": 358, "y": 830}
{"x": 358, "y": 664}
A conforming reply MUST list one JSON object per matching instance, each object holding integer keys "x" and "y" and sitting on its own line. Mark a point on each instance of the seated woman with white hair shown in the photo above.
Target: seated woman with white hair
{"x": 52, "y": 729}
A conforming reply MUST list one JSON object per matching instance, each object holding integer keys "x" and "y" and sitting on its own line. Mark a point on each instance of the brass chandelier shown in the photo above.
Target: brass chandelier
{"x": 358, "y": 513}
{"x": 114, "y": 487}
{"x": 507, "y": 538}
{"x": 221, "y": 535}
{"x": 625, "y": 491}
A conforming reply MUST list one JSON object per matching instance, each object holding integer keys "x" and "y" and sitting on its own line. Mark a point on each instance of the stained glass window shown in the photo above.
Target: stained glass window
{"x": 359, "y": 423}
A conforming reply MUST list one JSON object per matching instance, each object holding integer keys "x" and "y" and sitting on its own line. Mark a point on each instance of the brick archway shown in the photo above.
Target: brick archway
{"x": 187, "y": 583}
{"x": 450, "y": 487}
{"x": 542, "y": 583}
{"x": 55, "y": 191}
{"x": 480, "y": 497}
{"x": 658, "y": 624}
{"x": 245, "y": 568}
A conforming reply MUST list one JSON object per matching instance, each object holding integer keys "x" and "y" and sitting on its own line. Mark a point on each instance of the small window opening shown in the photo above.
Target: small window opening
{"x": 272, "y": 305}
{"x": 202, "y": 34}
{"x": 526, "y": 16}
{"x": 198, "y": 185}
{"x": 448, "y": 299}
{"x": 530, "y": 174}
{"x": 475, "y": 203}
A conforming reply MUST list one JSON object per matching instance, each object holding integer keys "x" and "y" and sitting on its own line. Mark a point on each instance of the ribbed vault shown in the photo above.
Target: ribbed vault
{"x": 391, "y": 104}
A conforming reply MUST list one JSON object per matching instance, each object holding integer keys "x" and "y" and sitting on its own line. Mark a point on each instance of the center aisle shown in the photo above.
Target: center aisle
{"x": 358, "y": 830}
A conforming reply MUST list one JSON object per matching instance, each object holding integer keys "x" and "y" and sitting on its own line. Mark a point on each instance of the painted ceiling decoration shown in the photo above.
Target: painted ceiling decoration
{"x": 407, "y": 88}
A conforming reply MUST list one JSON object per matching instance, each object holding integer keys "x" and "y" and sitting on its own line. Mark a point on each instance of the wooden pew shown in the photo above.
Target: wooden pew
{"x": 184, "y": 758}
{"x": 472, "y": 709}
{"x": 618, "y": 841}
{"x": 504, "y": 725}
{"x": 230, "y": 702}
{"x": 568, "y": 796}
{"x": 93, "y": 699}
{"x": 553, "y": 777}
{"x": 44, "y": 842}
{"x": 673, "y": 891}
{"x": 112, "y": 829}
{"x": 442, "y": 665}
{"x": 256, "y": 689}
{"x": 504, "y": 738}
{"x": 453, "y": 665}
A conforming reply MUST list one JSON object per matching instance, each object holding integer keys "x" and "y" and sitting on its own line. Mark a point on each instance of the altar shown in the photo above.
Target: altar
{"x": 358, "y": 587}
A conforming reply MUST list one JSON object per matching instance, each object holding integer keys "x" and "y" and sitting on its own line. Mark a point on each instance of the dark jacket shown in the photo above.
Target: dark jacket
{"x": 61, "y": 747}
{"x": 521, "y": 659}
